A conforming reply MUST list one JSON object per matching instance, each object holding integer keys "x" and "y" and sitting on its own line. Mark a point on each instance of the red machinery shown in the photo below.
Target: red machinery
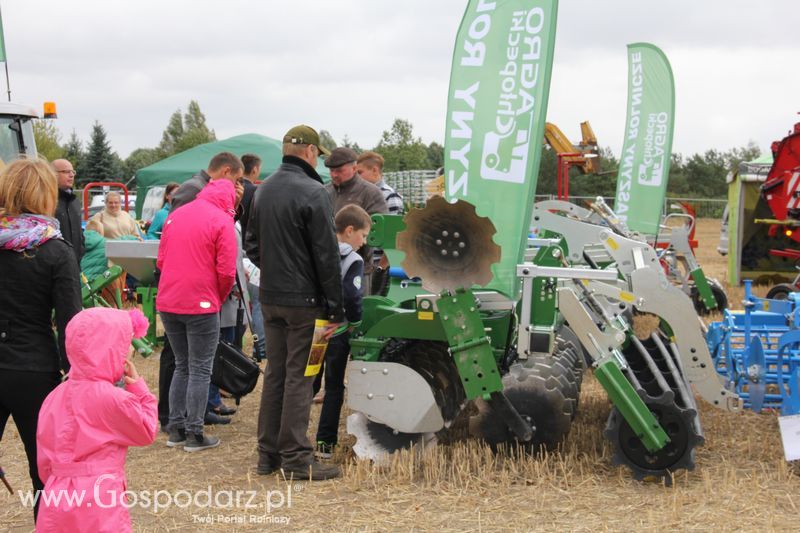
{"x": 781, "y": 191}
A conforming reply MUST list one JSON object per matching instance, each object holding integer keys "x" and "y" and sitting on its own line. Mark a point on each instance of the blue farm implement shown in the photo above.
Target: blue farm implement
{"x": 758, "y": 351}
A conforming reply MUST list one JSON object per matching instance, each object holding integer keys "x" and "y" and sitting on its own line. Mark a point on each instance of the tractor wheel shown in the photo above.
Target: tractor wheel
{"x": 677, "y": 454}
{"x": 781, "y": 291}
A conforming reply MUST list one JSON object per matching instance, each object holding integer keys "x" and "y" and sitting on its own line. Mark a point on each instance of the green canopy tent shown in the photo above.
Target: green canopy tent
{"x": 150, "y": 181}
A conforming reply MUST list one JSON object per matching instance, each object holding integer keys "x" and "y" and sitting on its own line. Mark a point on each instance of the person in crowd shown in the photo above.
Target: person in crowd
{"x": 87, "y": 424}
{"x": 39, "y": 276}
{"x": 352, "y": 227}
{"x": 225, "y": 166}
{"x": 252, "y": 169}
{"x": 116, "y": 221}
{"x": 291, "y": 238}
{"x": 370, "y": 167}
{"x": 197, "y": 261}
{"x": 347, "y": 187}
{"x": 216, "y": 410}
{"x": 68, "y": 210}
{"x": 157, "y": 224}
{"x": 95, "y": 262}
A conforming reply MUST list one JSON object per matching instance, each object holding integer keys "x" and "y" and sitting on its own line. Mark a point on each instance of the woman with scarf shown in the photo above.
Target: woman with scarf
{"x": 39, "y": 276}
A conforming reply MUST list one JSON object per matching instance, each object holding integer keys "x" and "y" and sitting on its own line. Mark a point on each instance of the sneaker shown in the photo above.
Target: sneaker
{"x": 212, "y": 418}
{"x": 324, "y": 450}
{"x": 196, "y": 442}
{"x": 177, "y": 437}
{"x": 314, "y": 472}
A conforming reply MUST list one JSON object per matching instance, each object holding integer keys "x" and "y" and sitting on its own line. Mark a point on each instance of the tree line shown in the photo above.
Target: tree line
{"x": 696, "y": 176}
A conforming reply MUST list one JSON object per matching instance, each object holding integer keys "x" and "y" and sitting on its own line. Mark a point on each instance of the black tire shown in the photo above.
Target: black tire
{"x": 781, "y": 291}
{"x": 544, "y": 392}
{"x": 717, "y": 291}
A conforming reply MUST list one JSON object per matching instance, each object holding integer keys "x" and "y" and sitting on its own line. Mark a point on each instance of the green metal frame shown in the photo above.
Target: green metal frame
{"x": 469, "y": 345}
{"x": 633, "y": 409}
{"x": 703, "y": 288}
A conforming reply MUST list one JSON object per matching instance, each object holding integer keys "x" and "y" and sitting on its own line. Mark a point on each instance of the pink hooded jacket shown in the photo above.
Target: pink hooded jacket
{"x": 87, "y": 423}
{"x": 197, "y": 253}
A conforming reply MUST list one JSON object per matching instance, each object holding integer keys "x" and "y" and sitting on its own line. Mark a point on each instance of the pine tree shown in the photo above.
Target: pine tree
{"x": 100, "y": 164}
{"x": 75, "y": 154}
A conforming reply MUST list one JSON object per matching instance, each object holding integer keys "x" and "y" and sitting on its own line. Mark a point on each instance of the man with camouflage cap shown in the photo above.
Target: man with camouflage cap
{"x": 291, "y": 238}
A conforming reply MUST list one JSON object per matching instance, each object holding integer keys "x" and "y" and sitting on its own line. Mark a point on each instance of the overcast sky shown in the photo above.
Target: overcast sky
{"x": 352, "y": 66}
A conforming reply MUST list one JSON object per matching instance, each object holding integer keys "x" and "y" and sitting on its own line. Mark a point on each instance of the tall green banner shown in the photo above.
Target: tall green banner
{"x": 499, "y": 84}
{"x": 646, "y": 151}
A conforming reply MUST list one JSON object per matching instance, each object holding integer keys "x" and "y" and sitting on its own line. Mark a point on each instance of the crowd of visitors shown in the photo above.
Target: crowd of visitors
{"x": 298, "y": 249}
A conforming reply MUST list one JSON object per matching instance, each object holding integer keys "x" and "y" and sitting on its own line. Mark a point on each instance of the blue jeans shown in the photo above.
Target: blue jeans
{"x": 257, "y": 327}
{"x": 194, "y": 341}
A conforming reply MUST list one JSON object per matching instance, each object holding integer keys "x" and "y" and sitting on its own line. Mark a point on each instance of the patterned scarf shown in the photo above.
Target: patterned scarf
{"x": 25, "y": 231}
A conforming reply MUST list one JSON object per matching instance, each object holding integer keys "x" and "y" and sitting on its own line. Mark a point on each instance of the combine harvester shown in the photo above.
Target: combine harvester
{"x": 505, "y": 322}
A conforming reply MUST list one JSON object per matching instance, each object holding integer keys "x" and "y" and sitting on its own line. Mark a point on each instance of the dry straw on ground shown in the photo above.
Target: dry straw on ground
{"x": 741, "y": 481}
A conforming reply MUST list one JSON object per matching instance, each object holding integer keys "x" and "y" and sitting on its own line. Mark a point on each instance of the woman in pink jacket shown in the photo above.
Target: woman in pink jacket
{"x": 197, "y": 259}
{"x": 87, "y": 423}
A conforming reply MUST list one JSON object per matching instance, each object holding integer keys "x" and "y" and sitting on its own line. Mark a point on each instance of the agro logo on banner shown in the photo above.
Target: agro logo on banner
{"x": 645, "y": 158}
{"x": 497, "y": 102}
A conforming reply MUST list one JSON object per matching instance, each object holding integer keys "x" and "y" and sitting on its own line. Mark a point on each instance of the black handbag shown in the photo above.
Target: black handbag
{"x": 233, "y": 371}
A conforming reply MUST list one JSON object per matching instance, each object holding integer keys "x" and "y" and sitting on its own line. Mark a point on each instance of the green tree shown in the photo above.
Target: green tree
{"x": 401, "y": 150}
{"x": 435, "y": 155}
{"x": 185, "y": 131}
{"x": 100, "y": 164}
{"x": 48, "y": 139}
{"x": 172, "y": 134}
{"x": 326, "y": 139}
{"x": 735, "y": 156}
{"x": 347, "y": 142}
{"x": 75, "y": 154}
{"x": 140, "y": 158}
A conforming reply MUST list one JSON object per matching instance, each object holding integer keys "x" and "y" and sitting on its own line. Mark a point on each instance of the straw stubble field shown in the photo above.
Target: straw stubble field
{"x": 741, "y": 481}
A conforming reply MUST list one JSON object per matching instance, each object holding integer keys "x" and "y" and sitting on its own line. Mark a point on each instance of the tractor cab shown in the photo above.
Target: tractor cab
{"x": 16, "y": 132}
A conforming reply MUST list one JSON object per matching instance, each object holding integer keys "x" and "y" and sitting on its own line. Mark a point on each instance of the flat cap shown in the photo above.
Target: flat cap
{"x": 341, "y": 156}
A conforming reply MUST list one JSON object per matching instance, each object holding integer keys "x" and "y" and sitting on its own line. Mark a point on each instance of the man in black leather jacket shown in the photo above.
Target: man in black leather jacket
{"x": 68, "y": 209}
{"x": 291, "y": 238}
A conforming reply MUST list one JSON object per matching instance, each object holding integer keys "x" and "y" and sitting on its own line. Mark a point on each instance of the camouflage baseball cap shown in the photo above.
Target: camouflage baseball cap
{"x": 303, "y": 134}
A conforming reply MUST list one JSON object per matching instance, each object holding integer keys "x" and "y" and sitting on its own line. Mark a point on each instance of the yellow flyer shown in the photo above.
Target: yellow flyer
{"x": 318, "y": 346}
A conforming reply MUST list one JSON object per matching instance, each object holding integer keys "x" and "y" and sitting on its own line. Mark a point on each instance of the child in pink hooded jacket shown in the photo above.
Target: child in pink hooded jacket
{"x": 87, "y": 423}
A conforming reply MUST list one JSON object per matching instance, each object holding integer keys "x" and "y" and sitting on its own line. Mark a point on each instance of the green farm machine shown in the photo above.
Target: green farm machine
{"x": 502, "y": 303}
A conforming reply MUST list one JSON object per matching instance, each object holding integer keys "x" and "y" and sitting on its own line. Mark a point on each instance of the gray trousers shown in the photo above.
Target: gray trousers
{"x": 194, "y": 341}
{"x": 286, "y": 394}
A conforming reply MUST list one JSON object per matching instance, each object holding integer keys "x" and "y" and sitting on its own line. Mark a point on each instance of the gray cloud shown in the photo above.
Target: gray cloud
{"x": 352, "y": 66}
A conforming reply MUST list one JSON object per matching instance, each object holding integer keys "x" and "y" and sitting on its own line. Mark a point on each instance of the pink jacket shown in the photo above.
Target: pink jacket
{"x": 197, "y": 254}
{"x": 87, "y": 423}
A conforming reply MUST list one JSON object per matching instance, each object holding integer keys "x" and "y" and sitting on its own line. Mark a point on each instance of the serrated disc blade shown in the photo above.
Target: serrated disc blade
{"x": 448, "y": 245}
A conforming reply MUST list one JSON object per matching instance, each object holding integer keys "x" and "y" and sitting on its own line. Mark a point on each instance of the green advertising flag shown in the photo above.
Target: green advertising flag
{"x": 646, "y": 150}
{"x": 496, "y": 107}
{"x": 2, "y": 41}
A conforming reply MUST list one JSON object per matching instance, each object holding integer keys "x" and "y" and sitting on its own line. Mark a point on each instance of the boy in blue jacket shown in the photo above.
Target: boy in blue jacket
{"x": 352, "y": 227}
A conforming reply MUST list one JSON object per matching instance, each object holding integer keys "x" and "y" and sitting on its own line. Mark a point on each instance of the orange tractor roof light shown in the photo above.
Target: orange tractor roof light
{"x": 50, "y": 110}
